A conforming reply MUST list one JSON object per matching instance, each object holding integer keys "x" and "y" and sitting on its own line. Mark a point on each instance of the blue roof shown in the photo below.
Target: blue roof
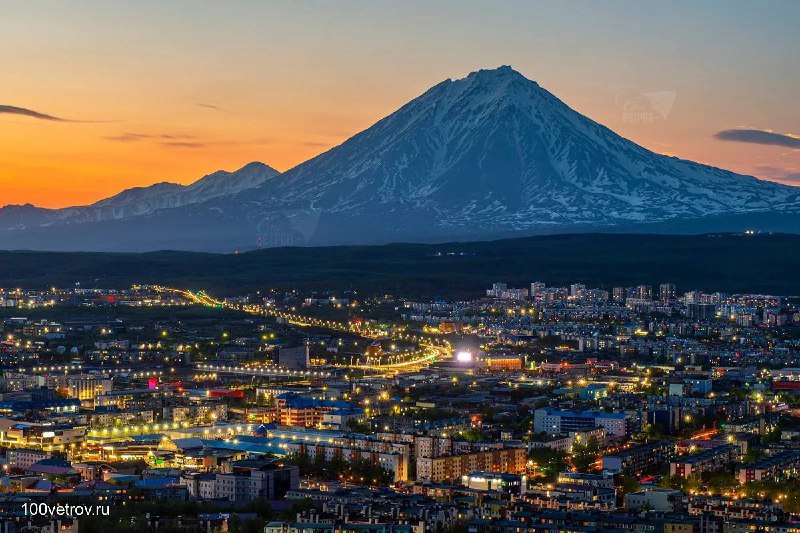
{"x": 242, "y": 443}
{"x": 19, "y": 405}
{"x": 263, "y": 429}
{"x": 298, "y": 402}
{"x": 223, "y": 516}
{"x": 156, "y": 482}
{"x": 54, "y": 461}
{"x": 188, "y": 443}
{"x": 347, "y": 411}
{"x": 585, "y": 414}
{"x": 147, "y": 438}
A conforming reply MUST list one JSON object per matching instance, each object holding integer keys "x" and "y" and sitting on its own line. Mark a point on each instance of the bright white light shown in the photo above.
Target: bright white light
{"x": 464, "y": 357}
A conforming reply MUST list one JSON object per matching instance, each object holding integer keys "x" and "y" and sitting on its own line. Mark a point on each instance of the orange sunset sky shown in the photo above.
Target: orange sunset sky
{"x": 169, "y": 91}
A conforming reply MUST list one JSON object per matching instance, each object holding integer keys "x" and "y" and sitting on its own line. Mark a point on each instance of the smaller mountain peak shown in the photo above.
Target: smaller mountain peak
{"x": 256, "y": 166}
{"x": 253, "y": 164}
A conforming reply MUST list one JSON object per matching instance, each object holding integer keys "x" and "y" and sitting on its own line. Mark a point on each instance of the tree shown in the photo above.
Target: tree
{"x": 266, "y": 400}
{"x": 753, "y": 455}
{"x": 318, "y": 464}
{"x": 359, "y": 471}
{"x": 359, "y": 426}
{"x": 654, "y": 432}
{"x": 771, "y": 437}
{"x": 547, "y": 462}
{"x": 626, "y": 485}
{"x": 720, "y": 482}
{"x": 301, "y": 461}
{"x": 585, "y": 455}
{"x": 472, "y": 435}
{"x": 683, "y": 484}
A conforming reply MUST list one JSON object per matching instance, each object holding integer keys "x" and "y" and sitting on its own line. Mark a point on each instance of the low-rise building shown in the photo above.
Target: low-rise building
{"x": 451, "y": 468}
{"x": 658, "y": 499}
{"x": 493, "y": 481}
{"x": 638, "y": 458}
{"x": 22, "y": 458}
{"x": 502, "y": 362}
{"x": 245, "y": 480}
{"x": 776, "y": 468}
{"x": 554, "y": 421}
{"x": 711, "y": 459}
{"x": 387, "y": 457}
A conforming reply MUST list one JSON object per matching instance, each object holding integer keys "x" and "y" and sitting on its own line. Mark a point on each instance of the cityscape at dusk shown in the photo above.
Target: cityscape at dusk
{"x": 411, "y": 267}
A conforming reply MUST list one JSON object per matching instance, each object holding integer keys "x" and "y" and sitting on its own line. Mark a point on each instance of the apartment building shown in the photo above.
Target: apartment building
{"x": 638, "y": 458}
{"x": 81, "y": 386}
{"x": 556, "y": 422}
{"x": 40, "y": 436}
{"x": 710, "y": 459}
{"x": 22, "y": 458}
{"x": 658, "y": 499}
{"x": 245, "y": 480}
{"x": 295, "y": 410}
{"x": 453, "y": 467}
{"x": 421, "y": 445}
{"x": 389, "y": 459}
{"x": 776, "y": 468}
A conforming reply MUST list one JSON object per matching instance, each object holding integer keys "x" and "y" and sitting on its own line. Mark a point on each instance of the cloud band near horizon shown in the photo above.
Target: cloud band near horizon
{"x": 755, "y": 136}
{"x": 25, "y": 112}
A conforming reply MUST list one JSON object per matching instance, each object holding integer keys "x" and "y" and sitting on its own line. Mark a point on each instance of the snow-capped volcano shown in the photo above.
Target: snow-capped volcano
{"x": 492, "y": 154}
{"x": 496, "y": 151}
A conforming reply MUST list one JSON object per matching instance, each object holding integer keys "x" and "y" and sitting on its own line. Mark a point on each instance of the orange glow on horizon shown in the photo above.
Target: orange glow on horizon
{"x": 172, "y": 91}
{"x": 83, "y": 165}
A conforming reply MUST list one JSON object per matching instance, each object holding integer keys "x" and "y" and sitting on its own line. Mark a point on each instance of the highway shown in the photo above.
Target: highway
{"x": 264, "y": 371}
{"x": 430, "y": 349}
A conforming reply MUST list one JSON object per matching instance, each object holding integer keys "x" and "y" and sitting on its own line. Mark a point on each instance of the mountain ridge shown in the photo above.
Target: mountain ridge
{"x": 328, "y": 182}
{"x": 486, "y": 155}
{"x": 139, "y": 201}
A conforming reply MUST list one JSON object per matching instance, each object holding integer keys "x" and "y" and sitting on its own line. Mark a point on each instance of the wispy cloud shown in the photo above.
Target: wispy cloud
{"x": 14, "y": 110}
{"x": 253, "y": 142}
{"x": 755, "y": 136}
{"x": 183, "y": 144}
{"x": 207, "y": 144}
{"x": 135, "y": 137}
{"x": 314, "y": 144}
{"x": 209, "y": 106}
{"x": 170, "y": 140}
{"x": 25, "y": 112}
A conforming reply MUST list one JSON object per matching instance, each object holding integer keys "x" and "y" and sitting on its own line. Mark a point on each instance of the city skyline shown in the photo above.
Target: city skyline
{"x": 103, "y": 97}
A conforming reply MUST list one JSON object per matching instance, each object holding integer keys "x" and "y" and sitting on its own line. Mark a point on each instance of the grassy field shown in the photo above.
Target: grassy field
{"x": 725, "y": 262}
